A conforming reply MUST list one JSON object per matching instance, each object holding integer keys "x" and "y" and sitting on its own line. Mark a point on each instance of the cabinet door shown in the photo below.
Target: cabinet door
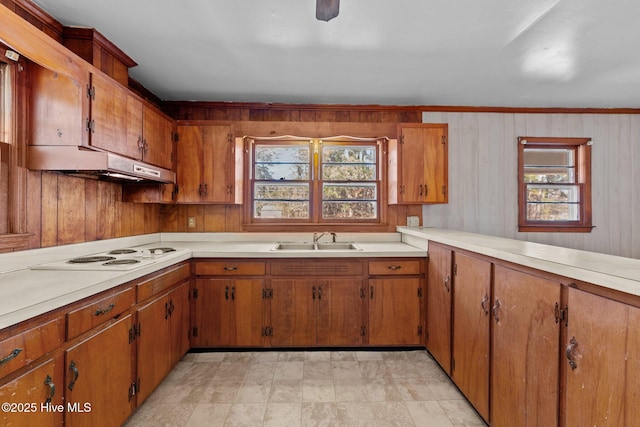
{"x": 99, "y": 374}
{"x": 213, "y": 312}
{"x": 525, "y": 348}
{"x": 135, "y": 139}
{"x": 471, "y": 322}
{"x": 247, "y": 303}
{"x": 604, "y": 346}
{"x": 189, "y": 164}
{"x": 439, "y": 305}
{"x": 422, "y": 164}
{"x": 394, "y": 311}
{"x": 154, "y": 344}
{"x": 109, "y": 117}
{"x": 217, "y": 177}
{"x": 57, "y": 110}
{"x": 158, "y": 146}
{"x": 41, "y": 386}
{"x": 179, "y": 322}
{"x": 340, "y": 312}
{"x": 292, "y": 313}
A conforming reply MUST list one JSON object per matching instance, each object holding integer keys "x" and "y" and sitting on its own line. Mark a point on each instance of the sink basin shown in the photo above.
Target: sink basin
{"x": 295, "y": 246}
{"x": 310, "y": 246}
{"x": 338, "y": 246}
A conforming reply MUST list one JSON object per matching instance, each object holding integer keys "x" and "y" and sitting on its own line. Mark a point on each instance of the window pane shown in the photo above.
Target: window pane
{"x": 549, "y": 165}
{"x": 282, "y": 153}
{"x": 349, "y": 191}
{"x": 349, "y": 172}
{"x": 281, "y": 209}
{"x": 281, "y": 172}
{"x": 349, "y": 210}
{"x": 272, "y": 191}
{"x": 348, "y": 154}
{"x": 553, "y": 203}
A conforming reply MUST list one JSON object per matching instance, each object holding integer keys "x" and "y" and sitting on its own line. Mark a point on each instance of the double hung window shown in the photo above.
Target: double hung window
{"x": 554, "y": 184}
{"x": 333, "y": 180}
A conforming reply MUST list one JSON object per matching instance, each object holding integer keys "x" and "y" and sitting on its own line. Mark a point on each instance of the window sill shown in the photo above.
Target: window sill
{"x": 306, "y": 227}
{"x": 554, "y": 229}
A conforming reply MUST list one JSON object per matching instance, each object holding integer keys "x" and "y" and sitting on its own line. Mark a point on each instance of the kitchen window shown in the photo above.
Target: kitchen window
{"x": 7, "y": 90}
{"x": 314, "y": 181}
{"x": 554, "y": 179}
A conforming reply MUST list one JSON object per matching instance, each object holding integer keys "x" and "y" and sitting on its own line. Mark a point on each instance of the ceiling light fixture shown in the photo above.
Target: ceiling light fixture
{"x": 326, "y": 10}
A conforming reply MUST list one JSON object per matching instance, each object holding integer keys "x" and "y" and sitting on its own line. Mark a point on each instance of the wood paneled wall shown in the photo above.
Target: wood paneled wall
{"x": 65, "y": 209}
{"x": 483, "y": 196}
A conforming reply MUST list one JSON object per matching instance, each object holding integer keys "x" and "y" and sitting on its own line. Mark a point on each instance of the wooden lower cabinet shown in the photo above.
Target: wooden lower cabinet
{"x": 35, "y": 397}
{"x": 471, "y": 330}
{"x": 395, "y": 311}
{"x": 439, "y": 285}
{"x": 310, "y": 312}
{"x": 163, "y": 338}
{"x": 99, "y": 377}
{"x": 228, "y": 312}
{"x": 525, "y": 350}
{"x": 602, "y": 362}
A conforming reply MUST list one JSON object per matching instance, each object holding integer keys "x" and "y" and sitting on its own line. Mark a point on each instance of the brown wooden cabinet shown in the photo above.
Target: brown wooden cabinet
{"x": 395, "y": 302}
{"x": 99, "y": 377}
{"x": 471, "y": 329}
{"x": 123, "y": 123}
{"x": 209, "y": 166}
{"x": 525, "y": 349}
{"x": 163, "y": 337}
{"x": 418, "y": 164}
{"x": 439, "y": 285}
{"x": 35, "y": 397}
{"x": 228, "y": 303}
{"x": 602, "y": 359}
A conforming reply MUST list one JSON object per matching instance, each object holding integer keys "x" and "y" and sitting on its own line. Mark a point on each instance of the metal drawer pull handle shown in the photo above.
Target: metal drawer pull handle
{"x": 319, "y": 292}
{"x": 313, "y": 292}
{"x": 167, "y": 313}
{"x": 233, "y": 268}
{"x": 573, "y": 343}
{"x": 52, "y": 388}
{"x": 394, "y": 267}
{"x": 495, "y": 309}
{"x": 233, "y": 293}
{"x": 421, "y": 189}
{"x": 12, "y": 355}
{"x": 226, "y": 292}
{"x": 371, "y": 292}
{"x": 484, "y": 306}
{"x": 105, "y": 310}
{"x": 446, "y": 283}
{"x": 76, "y": 374}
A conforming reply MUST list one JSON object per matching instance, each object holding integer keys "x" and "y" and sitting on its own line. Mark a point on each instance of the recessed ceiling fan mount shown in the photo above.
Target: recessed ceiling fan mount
{"x": 326, "y": 10}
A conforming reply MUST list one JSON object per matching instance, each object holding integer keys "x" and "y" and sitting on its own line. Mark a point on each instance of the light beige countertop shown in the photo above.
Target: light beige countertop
{"x": 613, "y": 272}
{"x": 26, "y": 293}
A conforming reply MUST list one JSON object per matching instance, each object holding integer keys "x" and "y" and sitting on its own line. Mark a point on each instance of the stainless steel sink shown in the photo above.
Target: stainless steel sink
{"x": 310, "y": 246}
{"x": 338, "y": 246}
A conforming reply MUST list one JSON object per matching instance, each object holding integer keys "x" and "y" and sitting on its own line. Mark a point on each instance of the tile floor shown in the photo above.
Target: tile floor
{"x": 316, "y": 388}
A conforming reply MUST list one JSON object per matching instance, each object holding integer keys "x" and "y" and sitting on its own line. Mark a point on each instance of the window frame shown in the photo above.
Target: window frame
{"x": 582, "y": 159}
{"x": 315, "y": 182}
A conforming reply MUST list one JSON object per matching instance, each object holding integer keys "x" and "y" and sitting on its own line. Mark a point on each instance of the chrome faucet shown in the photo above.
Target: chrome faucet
{"x": 317, "y": 236}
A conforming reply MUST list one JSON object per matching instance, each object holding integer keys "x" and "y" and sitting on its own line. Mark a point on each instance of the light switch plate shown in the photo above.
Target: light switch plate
{"x": 191, "y": 222}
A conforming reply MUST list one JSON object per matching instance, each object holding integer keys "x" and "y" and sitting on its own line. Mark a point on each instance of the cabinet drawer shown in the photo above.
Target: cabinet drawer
{"x": 160, "y": 283}
{"x": 24, "y": 347}
{"x": 230, "y": 268}
{"x": 93, "y": 314}
{"x": 394, "y": 268}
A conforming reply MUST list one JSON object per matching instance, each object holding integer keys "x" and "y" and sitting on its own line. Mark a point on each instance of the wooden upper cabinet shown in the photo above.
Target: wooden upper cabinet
{"x": 124, "y": 124}
{"x": 602, "y": 359}
{"x": 209, "y": 165}
{"x": 418, "y": 164}
{"x": 59, "y": 108}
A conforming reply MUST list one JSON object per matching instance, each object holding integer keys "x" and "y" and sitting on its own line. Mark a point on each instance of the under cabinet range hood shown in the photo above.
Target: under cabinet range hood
{"x": 80, "y": 161}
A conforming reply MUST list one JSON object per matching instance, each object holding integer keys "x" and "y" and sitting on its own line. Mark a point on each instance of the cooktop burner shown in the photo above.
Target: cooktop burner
{"x": 122, "y": 261}
{"x": 89, "y": 259}
{"x": 163, "y": 250}
{"x": 122, "y": 251}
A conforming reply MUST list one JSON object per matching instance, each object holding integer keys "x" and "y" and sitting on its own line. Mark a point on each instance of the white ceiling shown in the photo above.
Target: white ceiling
{"x": 514, "y": 53}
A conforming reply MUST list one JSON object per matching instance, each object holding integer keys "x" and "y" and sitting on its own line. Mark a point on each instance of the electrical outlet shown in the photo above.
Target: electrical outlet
{"x": 413, "y": 221}
{"x": 191, "y": 222}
